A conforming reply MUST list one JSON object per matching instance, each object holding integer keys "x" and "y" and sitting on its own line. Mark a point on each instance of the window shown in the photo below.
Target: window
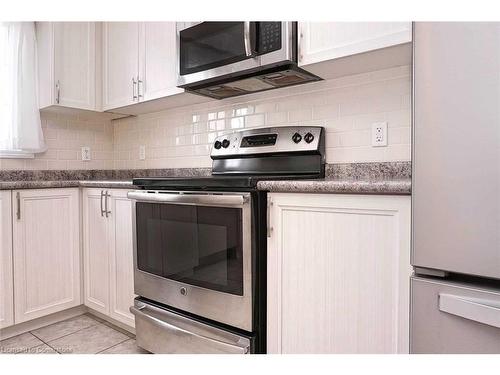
{"x": 20, "y": 129}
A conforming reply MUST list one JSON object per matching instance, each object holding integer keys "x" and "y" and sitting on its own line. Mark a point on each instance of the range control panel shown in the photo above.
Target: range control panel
{"x": 268, "y": 141}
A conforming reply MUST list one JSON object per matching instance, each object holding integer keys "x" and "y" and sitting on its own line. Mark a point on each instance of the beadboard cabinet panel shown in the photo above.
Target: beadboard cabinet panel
{"x": 6, "y": 276}
{"x": 121, "y": 258}
{"x": 68, "y": 66}
{"x": 46, "y": 249}
{"x": 120, "y": 63}
{"x": 321, "y": 41}
{"x": 95, "y": 252}
{"x": 108, "y": 253}
{"x": 158, "y": 60}
{"x": 338, "y": 274}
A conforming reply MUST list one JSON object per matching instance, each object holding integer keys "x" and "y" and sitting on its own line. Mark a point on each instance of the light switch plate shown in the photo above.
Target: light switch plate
{"x": 86, "y": 153}
{"x": 379, "y": 134}
{"x": 142, "y": 152}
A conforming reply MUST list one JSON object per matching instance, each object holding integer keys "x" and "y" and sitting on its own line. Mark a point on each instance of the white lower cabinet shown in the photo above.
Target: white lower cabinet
{"x": 6, "y": 277}
{"x": 338, "y": 274}
{"x": 108, "y": 253}
{"x": 46, "y": 251}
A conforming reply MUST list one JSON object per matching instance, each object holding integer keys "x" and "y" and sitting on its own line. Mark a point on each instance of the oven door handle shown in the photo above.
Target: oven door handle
{"x": 226, "y": 347}
{"x": 190, "y": 199}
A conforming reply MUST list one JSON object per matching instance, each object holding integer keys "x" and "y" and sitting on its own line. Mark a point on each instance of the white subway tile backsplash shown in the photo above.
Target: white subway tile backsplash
{"x": 346, "y": 107}
{"x": 182, "y": 137}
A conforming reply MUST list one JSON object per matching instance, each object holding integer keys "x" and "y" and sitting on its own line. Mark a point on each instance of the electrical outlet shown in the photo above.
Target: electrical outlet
{"x": 142, "y": 152}
{"x": 379, "y": 134}
{"x": 85, "y": 153}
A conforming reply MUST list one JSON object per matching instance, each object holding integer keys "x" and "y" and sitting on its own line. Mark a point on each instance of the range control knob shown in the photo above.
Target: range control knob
{"x": 296, "y": 137}
{"x": 308, "y": 137}
{"x": 217, "y": 145}
{"x": 225, "y": 143}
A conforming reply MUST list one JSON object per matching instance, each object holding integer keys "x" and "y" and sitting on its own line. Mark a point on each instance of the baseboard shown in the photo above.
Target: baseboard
{"x": 31, "y": 325}
{"x": 111, "y": 320}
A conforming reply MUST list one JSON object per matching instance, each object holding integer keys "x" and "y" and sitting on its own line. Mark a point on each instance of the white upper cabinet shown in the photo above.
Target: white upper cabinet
{"x": 139, "y": 62}
{"x": 6, "y": 277}
{"x": 158, "y": 60}
{"x": 321, "y": 41}
{"x": 46, "y": 251}
{"x": 338, "y": 274}
{"x": 68, "y": 64}
{"x": 120, "y": 64}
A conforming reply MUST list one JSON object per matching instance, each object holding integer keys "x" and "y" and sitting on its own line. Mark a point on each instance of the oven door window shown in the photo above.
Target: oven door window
{"x": 211, "y": 44}
{"x": 196, "y": 245}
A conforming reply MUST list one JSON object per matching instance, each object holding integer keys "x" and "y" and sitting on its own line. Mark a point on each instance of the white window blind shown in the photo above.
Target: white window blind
{"x": 20, "y": 127}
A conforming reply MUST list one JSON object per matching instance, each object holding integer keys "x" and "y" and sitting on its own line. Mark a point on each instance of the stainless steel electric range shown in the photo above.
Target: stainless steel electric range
{"x": 200, "y": 243}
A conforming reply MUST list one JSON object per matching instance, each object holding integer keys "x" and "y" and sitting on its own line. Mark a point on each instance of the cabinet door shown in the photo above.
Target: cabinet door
{"x": 46, "y": 252}
{"x": 120, "y": 62}
{"x": 121, "y": 257}
{"x": 158, "y": 60}
{"x": 75, "y": 64}
{"x": 6, "y": 278}
{"x": 338, "y": 274}
{"x": 320, "y": 41}
{"x": 95, "y": 252}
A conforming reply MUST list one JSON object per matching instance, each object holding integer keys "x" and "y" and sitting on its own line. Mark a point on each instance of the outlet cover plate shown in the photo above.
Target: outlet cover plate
{"x": 379, "y": 134}
{"x": 86, "y": 153}
{"x": 142, "y": 152}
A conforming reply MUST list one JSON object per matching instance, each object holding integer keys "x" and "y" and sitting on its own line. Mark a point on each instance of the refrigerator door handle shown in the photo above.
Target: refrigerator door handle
{"x": 475, "y": 309}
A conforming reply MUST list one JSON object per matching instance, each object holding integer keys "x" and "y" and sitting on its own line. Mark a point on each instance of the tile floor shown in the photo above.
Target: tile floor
{"x": 84, "y": 334}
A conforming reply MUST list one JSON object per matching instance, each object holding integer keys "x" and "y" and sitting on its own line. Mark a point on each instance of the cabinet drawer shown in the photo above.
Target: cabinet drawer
{"x": 163, "y": 331}
{"x": 448, "y": 317}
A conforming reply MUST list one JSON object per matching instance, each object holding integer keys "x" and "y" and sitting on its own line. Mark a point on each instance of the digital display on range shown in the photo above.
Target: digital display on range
{"x": 259, "y": 140}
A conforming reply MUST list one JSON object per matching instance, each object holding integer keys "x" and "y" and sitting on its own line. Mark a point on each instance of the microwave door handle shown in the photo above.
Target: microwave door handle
{"x": 247, "y": 39}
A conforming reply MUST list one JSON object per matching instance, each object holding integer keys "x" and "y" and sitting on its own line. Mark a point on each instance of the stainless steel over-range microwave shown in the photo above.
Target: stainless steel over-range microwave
{"x": 225, "y": 59}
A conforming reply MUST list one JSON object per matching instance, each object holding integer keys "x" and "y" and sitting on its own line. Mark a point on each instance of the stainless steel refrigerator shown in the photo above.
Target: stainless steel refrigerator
{"x": 455, "y": 293}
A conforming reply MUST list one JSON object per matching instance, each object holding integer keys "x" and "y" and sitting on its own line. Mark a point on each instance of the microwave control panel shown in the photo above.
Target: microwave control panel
{"x": 269, "y": 37}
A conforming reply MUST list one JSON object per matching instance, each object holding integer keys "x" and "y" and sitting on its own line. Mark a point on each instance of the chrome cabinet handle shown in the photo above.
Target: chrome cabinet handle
{"x": 106, "y": 196}
{"x": 139, "y": 82}
{"x": 246, "y": 38}
{"x": 58, "y": 92}
{"x": 163, "y": 325}
{"x": 269, "y": 227}
{"x": 18, "y": 208}
{"x": 102, "y": 210}
{"x": 134, "y": 97}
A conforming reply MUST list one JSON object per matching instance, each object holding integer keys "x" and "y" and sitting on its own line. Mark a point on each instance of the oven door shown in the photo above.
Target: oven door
{"x": 193, "y": 251}
{"x": 210, "y": 50}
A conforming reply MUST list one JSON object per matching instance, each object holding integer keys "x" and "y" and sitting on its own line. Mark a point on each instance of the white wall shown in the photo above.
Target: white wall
{"x": 64, "y": 136}
{"x": 346, "y": 107}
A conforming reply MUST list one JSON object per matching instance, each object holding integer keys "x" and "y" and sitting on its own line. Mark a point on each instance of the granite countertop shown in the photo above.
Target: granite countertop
{"x": 349, "y": 178}
{"x": 41, "y": 184}
{"x": 345, "y": 186}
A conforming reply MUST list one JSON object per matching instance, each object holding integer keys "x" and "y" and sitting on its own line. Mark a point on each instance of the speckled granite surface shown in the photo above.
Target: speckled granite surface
{"x": 390, "y": 187}
{"x": 400, "y": 170}
{"x": 111, "y": 179}
{"x": 359, "y": 178}
{"x": 38, "y": 184}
